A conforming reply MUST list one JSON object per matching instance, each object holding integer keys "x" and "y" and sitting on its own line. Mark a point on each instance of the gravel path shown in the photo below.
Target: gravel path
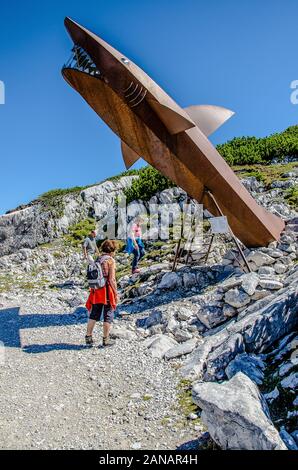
{"x": 56, "y": 394}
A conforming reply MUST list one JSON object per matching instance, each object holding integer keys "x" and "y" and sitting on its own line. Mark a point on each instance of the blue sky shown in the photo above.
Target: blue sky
{"x": 242, "y": 55}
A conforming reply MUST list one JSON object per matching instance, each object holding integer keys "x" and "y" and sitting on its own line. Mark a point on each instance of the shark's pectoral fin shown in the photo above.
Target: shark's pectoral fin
{"x": 173, "y": 120}
{"x": 129, "y": 155}
{"x": 208, "y": 118}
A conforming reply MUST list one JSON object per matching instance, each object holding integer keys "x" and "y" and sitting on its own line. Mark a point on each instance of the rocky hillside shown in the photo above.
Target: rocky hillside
{"x": 210, "y": 350}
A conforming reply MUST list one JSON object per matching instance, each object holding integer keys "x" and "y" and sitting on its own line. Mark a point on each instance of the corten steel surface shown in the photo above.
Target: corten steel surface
{"x": 151, "y": 125}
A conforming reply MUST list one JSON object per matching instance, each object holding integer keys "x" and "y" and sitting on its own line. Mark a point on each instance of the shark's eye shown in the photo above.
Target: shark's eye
{"x": 125, "y": 61}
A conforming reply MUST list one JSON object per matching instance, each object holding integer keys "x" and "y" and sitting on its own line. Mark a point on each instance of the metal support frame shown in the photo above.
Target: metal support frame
{"x": 179, "y": 249}
{"x": 232, "y": 234}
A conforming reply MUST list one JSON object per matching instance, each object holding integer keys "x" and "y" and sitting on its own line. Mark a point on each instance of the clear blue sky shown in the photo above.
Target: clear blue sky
{"x": 238, "y": 54}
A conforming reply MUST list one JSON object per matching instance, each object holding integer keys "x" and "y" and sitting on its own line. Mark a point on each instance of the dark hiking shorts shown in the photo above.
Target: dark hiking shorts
{"x": 100, "y": 310}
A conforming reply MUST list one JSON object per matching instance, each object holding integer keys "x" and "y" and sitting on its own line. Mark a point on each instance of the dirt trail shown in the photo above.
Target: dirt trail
{"x": 56, "y": 394}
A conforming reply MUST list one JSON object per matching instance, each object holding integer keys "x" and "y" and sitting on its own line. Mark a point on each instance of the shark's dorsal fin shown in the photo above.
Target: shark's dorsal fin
{"x": 129, "y": 155}
{"x": 208, "y": 118}
{"x": 173, "y": 120}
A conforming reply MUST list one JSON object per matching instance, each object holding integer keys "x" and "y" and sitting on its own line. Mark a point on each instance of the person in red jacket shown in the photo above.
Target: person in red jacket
{"x": 103, "y": 301}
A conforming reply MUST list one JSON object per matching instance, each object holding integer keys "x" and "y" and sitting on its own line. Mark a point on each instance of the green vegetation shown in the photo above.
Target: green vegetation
{"x": 79, "y": 231}
{"x": 53, "y": 193}
{"x": 265, "y": 173}
{"x": 124, "y": 173}
{"x": 185, "y": 401}
{"x": 147, "y": 397}
{"x": 254, "y": 153}
{"x": 150, "y": 181}
{"x": 53, "y": 202}
{"x": 249, "y": 156}
{"x": 250, "y": 150}
{"x": 292, "y": 196}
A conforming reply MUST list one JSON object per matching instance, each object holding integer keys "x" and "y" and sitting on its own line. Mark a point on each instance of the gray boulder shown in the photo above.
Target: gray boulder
{"x": 288, "y": 439}
{"x": 249, "y": 283}
{"x": 158, "y": 345}
{"x": 182, "y": 335}
{"x": 259, "y": 329}
{"x": 237, "y": 298}
{"x": 236, "y": 415}
{"x": 260, "y": 259}
{"x": 170, "y": 281}
{"x": 291, "y": 381}
{"x": 271, "y": 284}
{"x": 211, "y": 316}
{"x": 250, "y": 364}
{"x": 182, "y": 349}
{"x": 222, "y": 356}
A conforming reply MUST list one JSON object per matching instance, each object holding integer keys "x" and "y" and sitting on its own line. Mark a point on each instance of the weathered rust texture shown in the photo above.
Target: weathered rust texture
{"x": 151, "y": 125}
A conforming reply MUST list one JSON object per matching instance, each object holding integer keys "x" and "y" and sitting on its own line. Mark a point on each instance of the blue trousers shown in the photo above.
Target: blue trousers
{"x": 137, "y": 255}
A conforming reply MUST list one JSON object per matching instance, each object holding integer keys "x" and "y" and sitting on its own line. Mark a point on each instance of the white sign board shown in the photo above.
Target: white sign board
{"x": 219, "y": 224}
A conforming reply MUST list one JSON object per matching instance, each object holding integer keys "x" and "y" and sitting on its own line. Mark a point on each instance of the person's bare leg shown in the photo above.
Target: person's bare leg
{"x": 90, "y": 327}
{"x": 106, "y": 329}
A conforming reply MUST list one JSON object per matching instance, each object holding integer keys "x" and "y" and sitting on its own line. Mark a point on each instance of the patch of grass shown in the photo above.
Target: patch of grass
{"x": 54, "y": 193}
{"x": 185, "y": 401}
{"x": 165, "y": 420}
{"x": 292, "y": 196}
{"x": 46, "y": 246}
{"x": 5, "y": 285}
{"x": 35, "y": 270}
{"x": 265, "y": 173}
{"x": 147, "y": 397}
{"x": 78, "y": 232}
{"x": 27, "y": 285}
{"x": 124, "y": 173}
{"x": 57, "y": 254}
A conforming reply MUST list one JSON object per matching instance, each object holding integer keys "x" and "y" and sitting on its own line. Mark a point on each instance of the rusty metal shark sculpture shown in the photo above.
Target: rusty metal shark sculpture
{"x": 174, "y": 140}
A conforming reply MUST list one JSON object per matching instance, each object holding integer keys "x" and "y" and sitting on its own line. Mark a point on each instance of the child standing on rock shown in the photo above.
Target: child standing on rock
{"x": 103, "y": 301}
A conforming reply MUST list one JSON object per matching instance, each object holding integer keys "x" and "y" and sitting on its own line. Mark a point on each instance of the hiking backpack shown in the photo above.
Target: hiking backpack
{"x": 95, "y": 277}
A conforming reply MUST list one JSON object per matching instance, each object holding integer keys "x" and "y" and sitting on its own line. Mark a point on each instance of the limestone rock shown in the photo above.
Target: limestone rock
{"x": 260, "y": 259}
{"x": 182, "y": 335}
{"x": 271, "y": 284}
{"x": 237, "y": 298}
{"x": 291, "y": 381}
{"x": 211, "y": 316}
{"x": 159, "y": 345}
{"x": 236, "y": 416}
{"x": 250, "y": 364}
{"x": 184, "y": 348}
{"x": 288, "y": 439}
{"x": 280, "y": 268}
{"x": 266, "y": 271}
{"x": 222, "y": 356}
{"x": 170, "y": 280}
{"x": 249, "y": 283}
{"x": 122, "y": 333}
{"x": 271, "y": 396}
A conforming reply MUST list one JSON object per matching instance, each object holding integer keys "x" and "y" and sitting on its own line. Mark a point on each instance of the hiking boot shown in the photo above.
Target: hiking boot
{"x": 89, "y": 341}
{"x": 135, "y": 271}
{"x": 108, "y": 342}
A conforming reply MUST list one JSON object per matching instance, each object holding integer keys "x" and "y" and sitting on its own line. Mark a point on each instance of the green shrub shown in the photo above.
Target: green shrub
{"x": 53, "y": 202}
{"x": 78, "y": 232}
{"x": 150, "y": 182}
{"x": 251, "y": 150}
{"x": 292, "y": 196}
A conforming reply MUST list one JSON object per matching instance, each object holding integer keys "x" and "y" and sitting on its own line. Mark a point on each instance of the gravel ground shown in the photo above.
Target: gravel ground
{"x": 56, "y": 394}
